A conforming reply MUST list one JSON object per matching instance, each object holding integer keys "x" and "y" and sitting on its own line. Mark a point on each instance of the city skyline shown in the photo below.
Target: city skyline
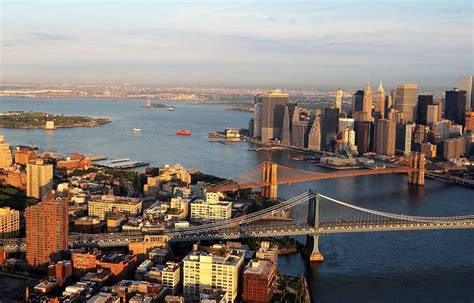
{"x": 236, "y": 44}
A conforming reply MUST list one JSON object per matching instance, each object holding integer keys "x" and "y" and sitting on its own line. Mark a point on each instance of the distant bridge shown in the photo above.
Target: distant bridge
{"x": 269, "y": 175}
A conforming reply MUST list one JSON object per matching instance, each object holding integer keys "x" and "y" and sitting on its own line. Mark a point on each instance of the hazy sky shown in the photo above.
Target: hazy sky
{"x": 236, "y": 43}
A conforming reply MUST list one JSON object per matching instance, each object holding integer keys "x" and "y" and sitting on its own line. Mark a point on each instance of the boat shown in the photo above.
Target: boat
{"x": 169, "y": 109}
{"x": 137, "y": 129}
{"x": 183, "y": 132}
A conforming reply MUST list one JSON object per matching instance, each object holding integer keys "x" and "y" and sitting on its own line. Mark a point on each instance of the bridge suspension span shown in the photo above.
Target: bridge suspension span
{"x": 269, "y": 175}
{"x": 311, "y": 214}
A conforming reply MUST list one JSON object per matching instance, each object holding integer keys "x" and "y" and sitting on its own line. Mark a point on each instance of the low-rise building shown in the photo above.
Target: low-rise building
{"x": 211, "y": 209}
{"x": 258, "y": 279}
{"x": 213, "y": 295}
{"x": 9, "y": 222}
{"x": 100, "y": 206}
{"x": 267, "y": 252}
{"x": 429, "y": 150}
{"x": 454, "y": 148}
{"x": 171, "y": 277}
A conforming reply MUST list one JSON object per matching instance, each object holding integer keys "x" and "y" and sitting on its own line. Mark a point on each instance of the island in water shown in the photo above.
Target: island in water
{"x": 21, "y": 119}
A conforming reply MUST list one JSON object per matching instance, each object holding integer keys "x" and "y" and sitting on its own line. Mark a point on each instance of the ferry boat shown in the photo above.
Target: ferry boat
{"x": 183, "y": 132}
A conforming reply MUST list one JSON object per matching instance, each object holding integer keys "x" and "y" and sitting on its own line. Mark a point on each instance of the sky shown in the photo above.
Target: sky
{"x": 330, "y": 43}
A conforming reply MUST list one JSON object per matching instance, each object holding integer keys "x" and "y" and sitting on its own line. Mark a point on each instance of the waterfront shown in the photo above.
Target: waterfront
{"x": 424, "y": 266}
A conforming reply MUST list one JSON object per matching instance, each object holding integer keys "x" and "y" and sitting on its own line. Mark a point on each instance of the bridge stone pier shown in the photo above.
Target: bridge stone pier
{"x": 312, "y": 241}
{"x": 270, "y": 175}
{"x": 417, "y": 163}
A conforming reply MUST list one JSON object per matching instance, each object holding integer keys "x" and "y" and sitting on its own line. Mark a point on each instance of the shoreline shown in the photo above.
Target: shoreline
{"x": 56, "y": 126}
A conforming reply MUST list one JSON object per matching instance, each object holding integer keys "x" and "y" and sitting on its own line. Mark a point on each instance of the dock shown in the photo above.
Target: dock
{"x": 120, "y": 163}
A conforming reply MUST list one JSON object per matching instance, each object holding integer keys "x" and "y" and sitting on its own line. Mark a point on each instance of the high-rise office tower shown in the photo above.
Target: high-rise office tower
{"x": 273, "y": 111}
{"x": 357, "y": 101}
{"x": 455, "y": 106}
{"x": 469, "y": 122}
{"x": 385, "y": 137}
{"x": 251, "y": 127}
{"x": 339, "y": 97}
{"x": 362, "y": 104}
{"x": 404, "y": 138}
{"x": 5, "y": 153}
{"x": 363, "y": 135}
{"x": 330, "y": 127}
{"x": 405, "y": 101}
{"x": 422, "y": 108}
{"x": 46, "y": 231}
{"x": 257, "y": 117}
{"x": 39, "y": 180}
{"x": 380, "y": 100}
{"x": 466, "y": 83}
{"x": 388, "y": 105}
{"x": 346, "y": 122}
{"x": 314, "y": 137}
{"x": 300, "y": 127}
{"x": 433, "y": 113}
{"x": 287, "y": 123}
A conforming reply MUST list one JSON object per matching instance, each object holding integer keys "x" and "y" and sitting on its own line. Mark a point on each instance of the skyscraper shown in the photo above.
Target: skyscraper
{"x": 455, "y": 106}
{"x": 433, "y": 113}
{"x": 357, "y": 101}
{"x": 46, "y": 231}
{"x": 330, "y": 127}
{"x": 300, "y": 127}
{"x": 273, "y": 111}
{"x": 380, "y": 100}
{"x": 404, "y": 138}
{"x": 287, "y": 123}
{"x": 257, "y": 117}
{"x": 466, "y": 83}
{"x": 422, "y": 111}
{"x": 405, "y": 101}
{"x": 363, "y": 136}
{"x": 362, "y": 104}
{"x": 314, "y": 137}
{"x": 385, "y": 137}
{"x": 39, "y": 180}
{"x": 339, "y": 97}
{"x": 388, "y": 105}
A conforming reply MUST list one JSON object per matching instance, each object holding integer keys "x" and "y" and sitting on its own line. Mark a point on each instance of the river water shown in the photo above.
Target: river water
{"x": 408, "y": 266}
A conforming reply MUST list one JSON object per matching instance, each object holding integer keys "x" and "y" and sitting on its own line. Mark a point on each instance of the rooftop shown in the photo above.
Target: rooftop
{"x": 115, "y": 200}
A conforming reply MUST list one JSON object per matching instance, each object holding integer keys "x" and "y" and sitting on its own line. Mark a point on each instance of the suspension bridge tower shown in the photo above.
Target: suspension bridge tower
{"x": 312, "y": 241}
{"x": 270, "y": 176}
{"x": 416, "y": 163}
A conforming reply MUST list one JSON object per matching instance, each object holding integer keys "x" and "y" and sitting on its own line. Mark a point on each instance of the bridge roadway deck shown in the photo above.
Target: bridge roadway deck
{"x": 313, "y": 176}
{"x": 250, "y": 231}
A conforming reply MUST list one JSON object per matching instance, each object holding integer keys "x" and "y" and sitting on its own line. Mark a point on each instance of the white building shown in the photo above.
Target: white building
{"x": 216, "y": 267}
{"x": 171, "y": 276}
{"x": 211, "y": 209}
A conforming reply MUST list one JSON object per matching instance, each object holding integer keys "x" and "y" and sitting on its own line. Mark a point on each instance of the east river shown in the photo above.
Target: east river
{"x": 406, "y": 266}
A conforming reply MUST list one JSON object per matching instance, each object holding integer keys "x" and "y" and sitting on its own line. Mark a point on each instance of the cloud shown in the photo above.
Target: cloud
{"x": 49, "y": 37}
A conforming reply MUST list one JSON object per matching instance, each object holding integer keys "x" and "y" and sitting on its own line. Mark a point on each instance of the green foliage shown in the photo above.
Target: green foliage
{"x": 81, "y": 172}
{"x": 15, "y": 198}
{"x": 38, "y": 120}
{"x": 262, "y": 204}
{"x": 201, "y": 177}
